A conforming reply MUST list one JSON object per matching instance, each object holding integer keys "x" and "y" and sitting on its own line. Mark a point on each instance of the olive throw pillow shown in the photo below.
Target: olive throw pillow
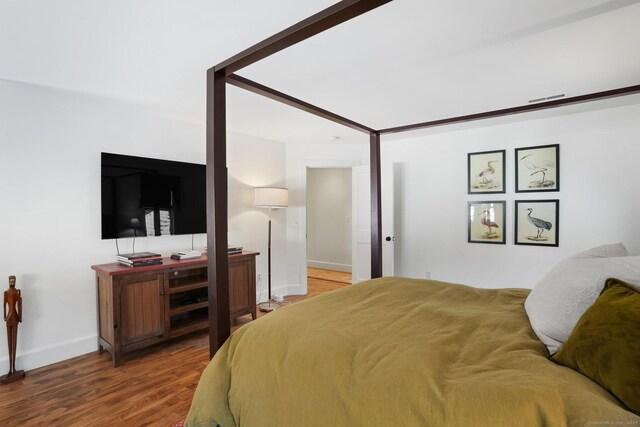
{"x": 605, "y": 343}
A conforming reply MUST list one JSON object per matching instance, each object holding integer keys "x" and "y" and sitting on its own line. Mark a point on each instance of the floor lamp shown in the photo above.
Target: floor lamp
{"x": 270, "y": 198}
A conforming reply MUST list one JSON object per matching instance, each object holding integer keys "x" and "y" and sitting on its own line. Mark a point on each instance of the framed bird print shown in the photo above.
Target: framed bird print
{"x": 485, "y": 172}
{"x": 487, "y": 222}
{"x": 537, "y": 222}
{"x": 538, "y": 168}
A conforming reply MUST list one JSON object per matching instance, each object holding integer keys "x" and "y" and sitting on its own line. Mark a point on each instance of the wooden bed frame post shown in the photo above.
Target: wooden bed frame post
{"x": 376, "y": 205}
{"x": 218, "y": 260}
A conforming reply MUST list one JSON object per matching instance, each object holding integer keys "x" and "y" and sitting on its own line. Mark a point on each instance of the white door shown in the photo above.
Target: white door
{"x": 361, "y": 196}
{"x": 388, "y": 225}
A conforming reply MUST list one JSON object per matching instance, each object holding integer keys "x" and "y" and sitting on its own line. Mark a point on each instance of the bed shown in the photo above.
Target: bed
{"x": 398, "y": 352}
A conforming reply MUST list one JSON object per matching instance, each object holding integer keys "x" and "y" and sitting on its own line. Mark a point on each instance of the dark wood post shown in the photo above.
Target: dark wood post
{"x": 376, "y": 206}
{"x": 218, "y": 261}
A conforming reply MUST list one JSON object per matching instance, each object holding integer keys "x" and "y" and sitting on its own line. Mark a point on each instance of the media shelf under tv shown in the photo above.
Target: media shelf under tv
{"x": 186, "y": 323}
{"x": 143, "y": 306}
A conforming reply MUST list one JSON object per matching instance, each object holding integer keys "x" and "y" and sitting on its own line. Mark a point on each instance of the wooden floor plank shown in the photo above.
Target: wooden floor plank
{"x": 152, "y": 387}
{"x": 330, "y": 275}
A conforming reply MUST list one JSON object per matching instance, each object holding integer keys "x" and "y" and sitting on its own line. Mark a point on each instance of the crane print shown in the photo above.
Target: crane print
{"x": 540, "y": 224}
{"x": 537, "y": 222}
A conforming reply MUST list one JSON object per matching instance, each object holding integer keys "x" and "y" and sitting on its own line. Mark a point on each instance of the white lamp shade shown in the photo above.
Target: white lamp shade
{"x": 270, "y": 197}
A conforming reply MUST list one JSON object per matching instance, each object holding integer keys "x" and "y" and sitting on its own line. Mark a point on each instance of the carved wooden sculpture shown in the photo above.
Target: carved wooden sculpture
{"x": 12, "y": 308}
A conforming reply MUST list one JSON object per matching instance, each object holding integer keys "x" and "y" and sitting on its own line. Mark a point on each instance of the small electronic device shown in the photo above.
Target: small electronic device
{"x": 186, "y": 255}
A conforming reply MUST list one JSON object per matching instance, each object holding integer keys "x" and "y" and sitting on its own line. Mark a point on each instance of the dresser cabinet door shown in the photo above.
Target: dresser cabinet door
{"x": 241, "y": 279}
{"x": 142, "y": 308}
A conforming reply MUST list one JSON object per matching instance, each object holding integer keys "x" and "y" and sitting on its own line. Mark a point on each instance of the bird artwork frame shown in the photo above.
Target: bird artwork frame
{"x": 537, "y": 222}
{"x": 537, "y": 168}
{"x": 487, "y": 222}
{"x": 486, "y": 172}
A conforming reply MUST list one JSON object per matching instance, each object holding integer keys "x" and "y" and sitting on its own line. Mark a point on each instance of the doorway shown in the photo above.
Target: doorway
{"x": 329, "y": 226}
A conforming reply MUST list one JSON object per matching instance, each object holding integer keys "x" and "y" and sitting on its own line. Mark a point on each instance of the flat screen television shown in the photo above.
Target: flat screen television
{"x": 151, "y": 197}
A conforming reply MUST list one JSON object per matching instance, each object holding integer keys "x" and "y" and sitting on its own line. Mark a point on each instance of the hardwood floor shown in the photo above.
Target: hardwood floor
{"x": 334, "y": 276}
{"x": 152, "y": 387}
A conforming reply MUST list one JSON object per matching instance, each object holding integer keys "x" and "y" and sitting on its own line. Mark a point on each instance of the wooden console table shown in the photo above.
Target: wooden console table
{"x": 143, "y": 306}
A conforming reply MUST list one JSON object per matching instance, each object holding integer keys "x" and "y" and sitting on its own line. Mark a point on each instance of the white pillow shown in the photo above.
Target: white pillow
{"x": 604, "y": 251}
{"x": 563, "y": 295}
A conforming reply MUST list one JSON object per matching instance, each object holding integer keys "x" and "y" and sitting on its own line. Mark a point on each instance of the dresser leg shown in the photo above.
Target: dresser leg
{"x": 116, "y": 358}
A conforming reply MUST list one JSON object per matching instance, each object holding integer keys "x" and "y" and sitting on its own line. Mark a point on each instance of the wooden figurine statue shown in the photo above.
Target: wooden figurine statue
{"x": 12, "y": 307}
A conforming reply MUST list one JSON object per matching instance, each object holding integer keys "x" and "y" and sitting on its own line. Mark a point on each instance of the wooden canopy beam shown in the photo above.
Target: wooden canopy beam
{"x": 595, "y": 96}
{"x": 283, "y": 98}
{"x": 315, "y": 24}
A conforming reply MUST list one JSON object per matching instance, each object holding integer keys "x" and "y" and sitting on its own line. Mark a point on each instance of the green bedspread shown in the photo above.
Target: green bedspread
{"x": 397, "y": 352}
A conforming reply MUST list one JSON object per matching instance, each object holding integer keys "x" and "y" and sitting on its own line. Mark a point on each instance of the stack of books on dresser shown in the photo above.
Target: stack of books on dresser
{"x": 140, "y": 259}
{"x": 234, "y": 250}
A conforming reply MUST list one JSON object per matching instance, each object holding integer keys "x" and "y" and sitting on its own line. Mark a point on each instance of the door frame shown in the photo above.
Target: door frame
{"x": 302, "y": 210}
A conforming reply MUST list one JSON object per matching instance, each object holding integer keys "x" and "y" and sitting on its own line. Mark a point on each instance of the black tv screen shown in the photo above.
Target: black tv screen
{"x": 151, "y": 197}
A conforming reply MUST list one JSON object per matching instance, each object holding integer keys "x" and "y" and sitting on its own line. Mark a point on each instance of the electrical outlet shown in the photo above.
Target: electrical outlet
{"x": 427, "y": 275}
{"x": 259, "y": 277}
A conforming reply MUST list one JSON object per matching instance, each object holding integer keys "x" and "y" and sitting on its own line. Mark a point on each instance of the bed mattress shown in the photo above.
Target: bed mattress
{"x": 397, "y": 352}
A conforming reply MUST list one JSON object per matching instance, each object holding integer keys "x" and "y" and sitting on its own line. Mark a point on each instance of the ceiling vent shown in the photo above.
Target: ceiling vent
{"x": 547, "y": 98}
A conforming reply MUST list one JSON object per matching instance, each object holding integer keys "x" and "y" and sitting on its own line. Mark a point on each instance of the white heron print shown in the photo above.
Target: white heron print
{"x": 486, "y": 172}
{"x": 537, "y": 168}
{"x": 537, "y": 222}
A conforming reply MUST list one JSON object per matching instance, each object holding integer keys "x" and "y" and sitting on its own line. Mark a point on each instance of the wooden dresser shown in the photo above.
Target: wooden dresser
{"x": 143, "y": 306}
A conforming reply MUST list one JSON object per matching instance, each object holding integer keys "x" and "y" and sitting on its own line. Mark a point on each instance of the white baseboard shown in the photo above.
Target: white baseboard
{"x": 43, "y": 356}
{"x": 295, "y": 290}
{"x": 261, "y": 295}
{"x": 329, "y": 266}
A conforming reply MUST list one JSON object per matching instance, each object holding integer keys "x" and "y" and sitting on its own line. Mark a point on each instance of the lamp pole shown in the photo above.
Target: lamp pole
{"x": 270, "y": 198}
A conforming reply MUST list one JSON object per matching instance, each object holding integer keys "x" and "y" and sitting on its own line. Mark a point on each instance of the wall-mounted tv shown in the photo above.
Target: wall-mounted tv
{"x": 151, "y": 197}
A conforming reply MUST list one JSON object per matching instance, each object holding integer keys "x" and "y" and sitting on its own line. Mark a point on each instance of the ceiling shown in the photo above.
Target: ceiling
{"x": 405, "y": 62}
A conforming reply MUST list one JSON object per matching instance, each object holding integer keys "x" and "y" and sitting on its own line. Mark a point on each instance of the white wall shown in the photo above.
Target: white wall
{"x": 329, "y": 218}
{"x": 50, "y": 144}
{"x": 255, "y": 162}
{"x": 599, "y": 197}
{"x": 299, "y": 158}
